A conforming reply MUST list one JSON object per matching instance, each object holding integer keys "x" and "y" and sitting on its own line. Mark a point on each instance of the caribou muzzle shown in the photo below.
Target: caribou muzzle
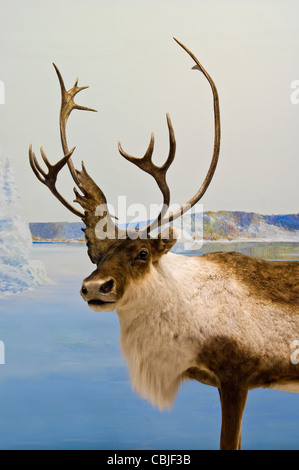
{"x": 100, "y": 294}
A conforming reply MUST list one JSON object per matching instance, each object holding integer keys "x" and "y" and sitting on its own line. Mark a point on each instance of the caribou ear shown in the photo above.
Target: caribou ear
{"x": 163, "y": 243}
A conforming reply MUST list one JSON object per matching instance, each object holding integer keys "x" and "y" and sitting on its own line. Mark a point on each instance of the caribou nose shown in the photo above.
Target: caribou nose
{"x": 84, "y": 289}
{"x": 95, "y": 288}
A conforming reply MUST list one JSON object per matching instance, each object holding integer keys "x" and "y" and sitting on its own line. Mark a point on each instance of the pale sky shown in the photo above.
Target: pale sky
{"x": 125, "y": 52}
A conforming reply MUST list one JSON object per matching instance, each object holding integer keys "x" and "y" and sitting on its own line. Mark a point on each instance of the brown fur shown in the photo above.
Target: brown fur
{"x": 234, "y": 370}
{"x": 275, "y": 281}
{"x": 227, "y": 363}
{"x": 226, "y": 360}
{"x": 120, "y": 261}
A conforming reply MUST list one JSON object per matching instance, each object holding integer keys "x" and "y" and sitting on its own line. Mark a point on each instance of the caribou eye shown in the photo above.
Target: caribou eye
{"x": 143, "y": 255}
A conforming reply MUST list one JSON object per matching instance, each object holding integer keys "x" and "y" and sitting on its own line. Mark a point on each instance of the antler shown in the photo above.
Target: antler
{"x": 159, "y": 173}
{"x": 50, "y": 179}
{"x": 67, "y": 106}
{"x": 197, "y": 196}
{"x": 92, "y": 197}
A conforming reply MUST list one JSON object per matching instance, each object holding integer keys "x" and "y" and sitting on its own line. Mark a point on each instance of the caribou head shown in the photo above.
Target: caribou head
{"x": 121, "y": 256}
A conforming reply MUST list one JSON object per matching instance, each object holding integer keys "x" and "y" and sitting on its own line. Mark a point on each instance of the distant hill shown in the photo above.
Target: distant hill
{"x": 222, "y": 225}
{"x": 57, "y": 231}
{"x": 226, "y": 225}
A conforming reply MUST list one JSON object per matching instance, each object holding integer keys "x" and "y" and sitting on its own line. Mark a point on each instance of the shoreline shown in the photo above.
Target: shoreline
{"x": 222, "y": 240}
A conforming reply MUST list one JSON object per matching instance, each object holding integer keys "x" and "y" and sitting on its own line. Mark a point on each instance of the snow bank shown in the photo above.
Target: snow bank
{"x": 18, "y": 272}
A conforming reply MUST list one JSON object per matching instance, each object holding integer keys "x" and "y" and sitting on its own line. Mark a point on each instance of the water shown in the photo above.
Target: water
{"x": 66, "y": 386}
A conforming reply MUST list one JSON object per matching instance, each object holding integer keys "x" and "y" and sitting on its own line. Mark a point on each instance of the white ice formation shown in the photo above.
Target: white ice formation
{"x": 18, "y": 273}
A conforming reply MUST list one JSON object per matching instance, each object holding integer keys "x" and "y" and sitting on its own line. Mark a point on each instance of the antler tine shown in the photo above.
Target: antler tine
{"x": 67, "y": 106}
{"x": 143, "y": 162}
{"x": 49, "y": 179}
{"x": 172, "y": 144}
{"x": 37, "y": 170}
{"x": 158, "y": 172}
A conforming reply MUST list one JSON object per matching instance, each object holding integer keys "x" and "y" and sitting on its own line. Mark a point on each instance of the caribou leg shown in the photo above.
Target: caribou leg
{"x": 233, "y": 400}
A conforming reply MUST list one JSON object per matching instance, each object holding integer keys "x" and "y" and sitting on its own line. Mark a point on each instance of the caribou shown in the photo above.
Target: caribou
{"x": 224, "y": 319}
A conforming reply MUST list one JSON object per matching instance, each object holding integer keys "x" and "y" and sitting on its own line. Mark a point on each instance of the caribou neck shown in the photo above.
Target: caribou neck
{"x": 162, "y": 290}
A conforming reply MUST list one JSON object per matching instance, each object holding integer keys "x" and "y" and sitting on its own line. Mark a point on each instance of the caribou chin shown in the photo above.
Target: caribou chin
{"x": 101, "y": 306}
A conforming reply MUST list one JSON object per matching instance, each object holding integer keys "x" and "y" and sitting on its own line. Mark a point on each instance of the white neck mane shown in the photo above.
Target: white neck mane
{"x": 156, "y": 338}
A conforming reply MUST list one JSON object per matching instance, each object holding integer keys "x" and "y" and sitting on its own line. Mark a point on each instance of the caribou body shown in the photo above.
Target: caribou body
{"x": 224, "y": 319}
